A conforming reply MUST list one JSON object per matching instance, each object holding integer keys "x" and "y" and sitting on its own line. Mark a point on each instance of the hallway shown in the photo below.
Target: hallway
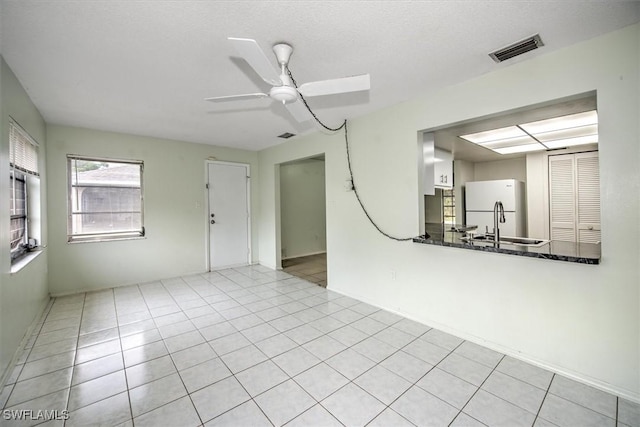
{"x": 312, "y": 268}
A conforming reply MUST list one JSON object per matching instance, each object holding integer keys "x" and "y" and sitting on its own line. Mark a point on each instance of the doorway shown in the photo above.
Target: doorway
{"x": 303, "y": 219}
{"x": 229, "y": 215}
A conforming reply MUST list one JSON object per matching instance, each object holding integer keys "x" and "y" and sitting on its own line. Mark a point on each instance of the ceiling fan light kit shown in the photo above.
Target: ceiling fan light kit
{"x": 283, "y": 90}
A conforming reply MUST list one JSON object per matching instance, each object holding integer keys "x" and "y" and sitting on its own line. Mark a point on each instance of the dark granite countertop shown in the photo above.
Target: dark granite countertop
{"x": 584, "y": 253}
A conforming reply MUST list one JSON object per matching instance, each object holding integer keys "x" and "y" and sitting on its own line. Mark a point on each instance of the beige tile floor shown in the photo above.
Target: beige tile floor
{"x": 255, "y": 347}
{"x": 312, "y": 268}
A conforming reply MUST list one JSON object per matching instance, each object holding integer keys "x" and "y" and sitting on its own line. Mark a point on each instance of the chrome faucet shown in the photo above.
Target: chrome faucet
{"x": 498, "y": 217}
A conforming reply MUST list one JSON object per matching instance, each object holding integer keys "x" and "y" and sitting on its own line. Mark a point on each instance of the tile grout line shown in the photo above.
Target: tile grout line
{"x": 27, "y": 351}
{"x": 75, "y": 356}
{"x": 124, "y": 365}
{"x": 251, "y": 398}
{"x": 121, "y": 351}
{"x": 580, "y": 404}
{"x": 478, "y": 389}
{"x": 162, "y": 339}
{"x": 415, "y": 338}
{"x": 543, "y": 400}
{"x": 348, "y": 347}
{"x": 37, "y": 330}
{"x": 217, "y": 356}
{"x": 248, "y": 285}
{"x": 173, "y": 361}
{"x": 298, "y": 345}
{"x": 415, "y": 384}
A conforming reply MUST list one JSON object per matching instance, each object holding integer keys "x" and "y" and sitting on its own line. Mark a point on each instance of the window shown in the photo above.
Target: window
{"x": 449, "y": 204}
{"x": 23, "y": 161}
{"x": 105, "y": 199}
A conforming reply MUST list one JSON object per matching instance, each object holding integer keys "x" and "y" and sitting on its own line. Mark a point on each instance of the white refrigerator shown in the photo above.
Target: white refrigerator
{"x": 480, "y": 198}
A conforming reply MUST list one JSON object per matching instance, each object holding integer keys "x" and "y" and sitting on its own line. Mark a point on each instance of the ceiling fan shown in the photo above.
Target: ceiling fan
{"x": 283, "y": 90}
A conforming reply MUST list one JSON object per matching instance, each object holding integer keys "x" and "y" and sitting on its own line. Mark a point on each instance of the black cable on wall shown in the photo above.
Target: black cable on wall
{"x": 353, "y": 183}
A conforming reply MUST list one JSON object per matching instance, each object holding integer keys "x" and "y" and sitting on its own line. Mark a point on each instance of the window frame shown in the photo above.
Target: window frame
{"x": 448, "y": 194}
{"x": 21, "y": 247}
{"x": 102, "y": 236}
{"x": 23, "y": 166}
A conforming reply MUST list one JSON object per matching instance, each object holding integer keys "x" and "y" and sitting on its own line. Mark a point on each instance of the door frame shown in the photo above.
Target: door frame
{"x": 207, "y": 209}
{"x": 278, "y": 204}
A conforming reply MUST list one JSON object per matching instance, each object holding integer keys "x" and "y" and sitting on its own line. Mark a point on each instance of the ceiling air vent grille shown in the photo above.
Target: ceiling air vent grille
{"x": 286, "y": 135}
{"x": 518, "y": 48}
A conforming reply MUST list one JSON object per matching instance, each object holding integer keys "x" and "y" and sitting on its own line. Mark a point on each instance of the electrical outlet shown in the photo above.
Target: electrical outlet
{"x": 394, "y": 276}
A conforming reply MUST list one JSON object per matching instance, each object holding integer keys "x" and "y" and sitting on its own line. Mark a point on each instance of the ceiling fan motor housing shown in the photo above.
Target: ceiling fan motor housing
{"x": 283, "y": 94}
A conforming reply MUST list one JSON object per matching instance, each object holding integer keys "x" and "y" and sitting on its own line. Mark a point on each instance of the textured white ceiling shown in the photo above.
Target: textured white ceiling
{"x": 144, "y": 67}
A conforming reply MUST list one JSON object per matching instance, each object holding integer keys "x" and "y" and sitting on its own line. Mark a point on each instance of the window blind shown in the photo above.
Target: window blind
{"x": 23, "y": 150}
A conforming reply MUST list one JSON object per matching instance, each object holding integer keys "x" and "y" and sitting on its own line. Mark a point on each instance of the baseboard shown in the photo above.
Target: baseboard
{"x": 576, "y": 376}
{"x": 306, "y": 254}
{"x": 25, "y": 339}
{"x": 104, "y": 288}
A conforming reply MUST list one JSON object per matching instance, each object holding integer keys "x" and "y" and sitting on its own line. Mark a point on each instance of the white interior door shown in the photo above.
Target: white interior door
{"x": 562, "y": 205}
{"x": 588, "y": 197}
{"x": 229, "y": 241}
{"x": 574, "y": 190}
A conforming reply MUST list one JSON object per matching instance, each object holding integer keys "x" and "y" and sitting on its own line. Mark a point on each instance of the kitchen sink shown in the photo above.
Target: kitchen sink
{"x": 522, "y": 241}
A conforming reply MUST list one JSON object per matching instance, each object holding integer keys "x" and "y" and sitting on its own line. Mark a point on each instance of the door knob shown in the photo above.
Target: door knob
{"x": 212, "y": 215}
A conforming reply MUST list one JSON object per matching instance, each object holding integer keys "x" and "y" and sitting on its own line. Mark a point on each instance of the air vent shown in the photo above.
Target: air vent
{"x": 518, "y": 48}
{"x": 286, "y": 135}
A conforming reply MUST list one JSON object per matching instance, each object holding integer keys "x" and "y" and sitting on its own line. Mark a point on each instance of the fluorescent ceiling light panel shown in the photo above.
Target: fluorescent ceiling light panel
{"x": 561, "y": 143}
{"x": 564, "y": 122}
{"x": 575, "y": 132}
{"x": 494, "y": 135}
{"x": 520, "y": 149}
{"x": 558, "y": 132}
{"x": 510, "y": 142}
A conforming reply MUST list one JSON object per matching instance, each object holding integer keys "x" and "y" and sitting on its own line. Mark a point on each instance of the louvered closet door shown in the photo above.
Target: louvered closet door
{"x": 562, "y": 202}
{"x": 588, "y": 197}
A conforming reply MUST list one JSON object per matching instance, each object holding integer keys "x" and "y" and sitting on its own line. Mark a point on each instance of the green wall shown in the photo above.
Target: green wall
{"x": 302, "y": 208}
{"x": 24, "y": 293}
{"x": 175, "y": 216}
{"x": 582, "y": 321}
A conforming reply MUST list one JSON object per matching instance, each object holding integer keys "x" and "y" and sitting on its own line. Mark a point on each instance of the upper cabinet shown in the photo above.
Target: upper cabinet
{"x": 443, "y": 166}
{"x": 438, "y": 166}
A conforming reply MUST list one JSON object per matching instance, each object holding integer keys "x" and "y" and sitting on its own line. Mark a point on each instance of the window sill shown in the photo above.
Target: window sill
{"x": 23, "y": 261}
{"x": 112, "y": 239}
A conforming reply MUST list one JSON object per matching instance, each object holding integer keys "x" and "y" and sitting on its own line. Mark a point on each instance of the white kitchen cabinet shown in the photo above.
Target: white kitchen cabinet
{"x": 428, "y": 168}
{"x": 438, "y": 166}
{"x": 443, "y": 169}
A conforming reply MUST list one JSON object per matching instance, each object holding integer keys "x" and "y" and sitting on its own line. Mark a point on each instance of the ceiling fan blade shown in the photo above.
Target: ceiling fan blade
{"x": 237, "y": 97}
{"x": 249, "y": 50}
{"x": 330, "y": 87}
{"x": 298, "y": 111}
